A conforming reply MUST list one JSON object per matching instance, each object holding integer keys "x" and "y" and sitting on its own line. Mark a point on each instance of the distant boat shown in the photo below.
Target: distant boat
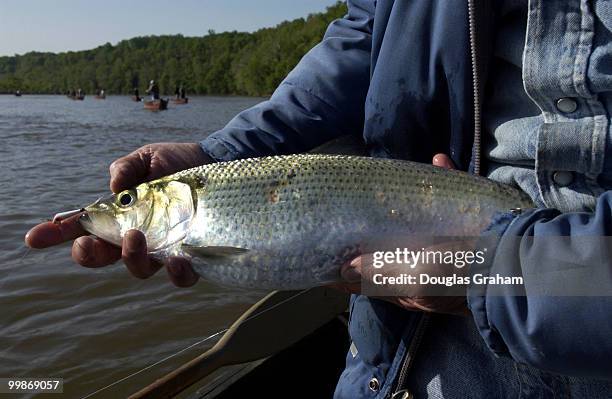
{"x": 78, "y": 98}
{"x": 156, "y": 105}
{"x": 101, "y": 97}
{"x": 17, "y": 94}
{"x": 180, "y": 100}
{"x": 136, "y": 98}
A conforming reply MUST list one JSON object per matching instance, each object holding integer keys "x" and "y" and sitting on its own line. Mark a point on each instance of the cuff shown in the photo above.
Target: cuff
{"x": 219, "y": 150}
{"x": 477, "y": 294}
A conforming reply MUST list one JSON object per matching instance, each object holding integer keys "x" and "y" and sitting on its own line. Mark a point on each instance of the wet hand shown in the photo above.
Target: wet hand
{"x": 147, "y": 163}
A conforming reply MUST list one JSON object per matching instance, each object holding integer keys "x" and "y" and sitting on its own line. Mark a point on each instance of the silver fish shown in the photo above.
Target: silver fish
{"x": 291, "y": 222}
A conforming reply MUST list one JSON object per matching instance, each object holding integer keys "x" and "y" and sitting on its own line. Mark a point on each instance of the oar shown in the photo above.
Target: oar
{"x": 276, "y": 322}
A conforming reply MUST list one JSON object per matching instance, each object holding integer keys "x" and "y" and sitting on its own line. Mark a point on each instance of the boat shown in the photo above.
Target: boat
{"x": 77, "y": 98}
{"x": 156, "y": 105}
{"x": 17, "y": 94}
{"x": 100, "y": 97}
{"x": 298, "y": 338}
{"x": 136, "y": 98}
{"x": 180, "y": 100}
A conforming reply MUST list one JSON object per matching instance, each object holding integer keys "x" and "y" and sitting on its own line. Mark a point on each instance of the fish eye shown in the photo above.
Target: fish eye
{"x": 126, "y": 198}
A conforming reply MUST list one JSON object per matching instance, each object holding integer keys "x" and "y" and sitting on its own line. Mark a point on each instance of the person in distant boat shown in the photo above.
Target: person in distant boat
{"x": 136, "y": 94}
{"x": 177, "y": 92}
{"x": 182, "y": 92}
{"x": 79, "y": 93}
{"x": 153, "y": 90}
{"x": 102, "y": 93}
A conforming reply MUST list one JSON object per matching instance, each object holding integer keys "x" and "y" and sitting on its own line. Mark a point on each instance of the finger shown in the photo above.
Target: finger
{"x": 92, "y": 252}
{"x": 135, "y": 257}
{"x": 180, "y": 272}
{"x": 351, "y": 272}
{"x": 49, "y": 234}
{"x": 411, "y": 304}
{"x": 443, "y": 161}
{"x": 130, "y": 170}
{"x": 454, "y": 305}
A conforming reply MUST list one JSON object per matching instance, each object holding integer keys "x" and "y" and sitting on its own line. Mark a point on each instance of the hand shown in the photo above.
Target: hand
{"x": 413, "y": 297}
{"x": 147, "y": 163}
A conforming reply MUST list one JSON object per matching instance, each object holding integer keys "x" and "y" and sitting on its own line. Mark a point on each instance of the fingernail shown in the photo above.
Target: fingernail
{"x": 136, "y": 237}
{"x": 443, "y": 161}
{"x": 439, "y": 159}
{"x": 352, "y": 275}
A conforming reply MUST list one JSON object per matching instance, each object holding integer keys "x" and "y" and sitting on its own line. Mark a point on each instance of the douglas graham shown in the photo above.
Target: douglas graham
{"x": 426, "y": 279}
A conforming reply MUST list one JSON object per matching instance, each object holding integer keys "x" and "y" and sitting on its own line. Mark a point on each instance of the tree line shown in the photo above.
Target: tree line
{"x": 229, "y": 63}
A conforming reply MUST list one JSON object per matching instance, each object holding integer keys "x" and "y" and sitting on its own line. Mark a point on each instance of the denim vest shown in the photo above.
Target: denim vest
{"x": 548, "y": 104}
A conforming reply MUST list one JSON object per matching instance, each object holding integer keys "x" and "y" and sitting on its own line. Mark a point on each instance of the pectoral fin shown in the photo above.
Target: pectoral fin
{"x": 212, "y": 252}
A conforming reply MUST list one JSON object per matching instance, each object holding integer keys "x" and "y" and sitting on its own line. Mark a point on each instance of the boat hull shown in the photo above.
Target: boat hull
{"x": 180, "y": 100}
{"x": 157, "y": 105}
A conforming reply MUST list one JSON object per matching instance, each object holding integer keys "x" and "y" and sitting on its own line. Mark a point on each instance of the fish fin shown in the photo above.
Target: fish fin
{"x": 344, "y": 145}
{"x": 213, "y": 251}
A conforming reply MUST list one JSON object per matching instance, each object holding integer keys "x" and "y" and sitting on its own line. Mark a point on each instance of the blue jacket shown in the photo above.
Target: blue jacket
{"x": 399, "y": 74}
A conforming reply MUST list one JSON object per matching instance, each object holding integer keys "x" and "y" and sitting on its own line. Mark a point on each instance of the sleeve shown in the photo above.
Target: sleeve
{"x": 560, "y": 318}
{"x": 321, "y": 99}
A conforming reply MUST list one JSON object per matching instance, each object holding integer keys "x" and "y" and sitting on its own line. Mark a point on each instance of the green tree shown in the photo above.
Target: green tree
{"x": 217, "y": 63}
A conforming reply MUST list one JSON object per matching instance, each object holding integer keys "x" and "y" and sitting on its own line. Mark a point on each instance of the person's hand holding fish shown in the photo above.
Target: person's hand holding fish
{"x": 147, "y": 163}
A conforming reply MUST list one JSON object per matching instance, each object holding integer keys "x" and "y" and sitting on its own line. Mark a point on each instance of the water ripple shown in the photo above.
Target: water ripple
{"x": 92, "y": 326}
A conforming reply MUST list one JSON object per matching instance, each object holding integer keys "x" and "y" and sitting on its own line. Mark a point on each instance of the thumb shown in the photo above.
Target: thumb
{"x": 130, "y": 170}
{"x": 443, "y": 161}
{"x": 351, "y": 272}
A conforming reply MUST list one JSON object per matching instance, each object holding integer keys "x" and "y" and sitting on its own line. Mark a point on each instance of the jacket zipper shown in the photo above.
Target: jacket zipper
{"x": 400, "y": 392}
{"x": 409, "y": 359}
{"x": 476, "y": 86}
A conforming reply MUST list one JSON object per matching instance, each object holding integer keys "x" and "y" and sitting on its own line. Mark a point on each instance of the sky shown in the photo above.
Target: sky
{"x": 62, "y": 25}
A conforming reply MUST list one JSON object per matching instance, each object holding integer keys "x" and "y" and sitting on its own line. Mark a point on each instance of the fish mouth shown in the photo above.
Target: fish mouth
{"x": 101, "y": 226}
{"x": 86, "y": 223}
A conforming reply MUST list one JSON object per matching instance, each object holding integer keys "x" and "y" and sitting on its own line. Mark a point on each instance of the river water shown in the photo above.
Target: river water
{"x": 93, "y": 327}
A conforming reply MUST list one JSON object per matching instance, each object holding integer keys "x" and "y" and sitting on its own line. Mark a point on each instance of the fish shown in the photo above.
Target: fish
{"x": 291, "y": 221}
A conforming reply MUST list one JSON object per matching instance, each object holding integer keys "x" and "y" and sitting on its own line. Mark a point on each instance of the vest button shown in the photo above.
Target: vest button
{"x": 563, "y": 178}
{"x": 567, "y": 105}
{"x": 374, "y": 385}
